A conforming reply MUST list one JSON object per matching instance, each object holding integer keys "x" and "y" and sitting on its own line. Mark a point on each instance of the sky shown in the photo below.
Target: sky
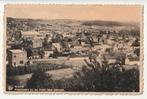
{"x": 123, "y": 13}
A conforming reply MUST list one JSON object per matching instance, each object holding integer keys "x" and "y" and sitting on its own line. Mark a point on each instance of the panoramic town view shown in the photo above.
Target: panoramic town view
{"x": 72, "y": 55}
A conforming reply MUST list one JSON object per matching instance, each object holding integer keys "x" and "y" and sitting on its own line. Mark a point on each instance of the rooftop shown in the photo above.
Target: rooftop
{"x": 16, "y": 51}
{"x": 134, "y": 59}
{"x": 30, "y": 33}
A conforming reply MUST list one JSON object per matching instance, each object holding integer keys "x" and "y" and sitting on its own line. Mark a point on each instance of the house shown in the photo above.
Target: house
{"x": 37, "y": 42}
{"x": 78, "y": 47}
{"x": 47, "y": 53}
{"x": 120, "y": 38}
{"x": 35, "y": 53}
{"x": 82, "y": 43}
{"x": 110, "y": 41}
{"x": 95, "y": 38}
{"x": 103, "y": 40}
{"x": 48, "y": 36}
{"x": 112, "y": 60}
{"x": 17, "y": 57}
{"x": 10, "y": 44}
{"x": 57, "y": 46}
{"x": 31, "y": 34}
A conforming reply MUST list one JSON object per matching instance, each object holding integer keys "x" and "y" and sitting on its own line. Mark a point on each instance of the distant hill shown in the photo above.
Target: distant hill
{"x": 70, "y": 21}
{"x": 107, "y": 23}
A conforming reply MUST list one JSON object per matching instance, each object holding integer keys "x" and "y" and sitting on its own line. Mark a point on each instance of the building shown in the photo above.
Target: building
{"x": 35, "y": 36}
{"x": 17, "y": 57}
{"x": 132, "y": 61}
{"x": 35, "y": 53}
{"x": 110, "y": 41}
{"x": 31, "y": 34}
{"x": 58, "y": 46}
{"x": 112, "y": 60}
{"x": 37, "y": 42}
{"x": 48, "y": 53}
{"x": 82, "y": 43}
{"x": 48, "y": 36}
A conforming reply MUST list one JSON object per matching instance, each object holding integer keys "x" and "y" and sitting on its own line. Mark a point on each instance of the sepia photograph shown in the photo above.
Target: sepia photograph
{"x": 73, "y": 48}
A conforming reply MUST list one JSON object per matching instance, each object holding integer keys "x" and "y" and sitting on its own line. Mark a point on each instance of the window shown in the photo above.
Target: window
{"x": 21, "y": 62}
{"x": 14, "y": 56}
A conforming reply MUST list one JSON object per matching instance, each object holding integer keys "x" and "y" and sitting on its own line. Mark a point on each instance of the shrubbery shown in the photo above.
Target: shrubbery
{"x": 93, "y": 77}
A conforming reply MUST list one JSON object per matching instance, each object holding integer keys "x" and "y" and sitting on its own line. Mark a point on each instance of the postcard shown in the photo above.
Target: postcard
{"x": 73, "y": 48}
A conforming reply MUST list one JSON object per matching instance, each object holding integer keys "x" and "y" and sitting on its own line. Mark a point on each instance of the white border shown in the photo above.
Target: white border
{"x": 71, "y": 2}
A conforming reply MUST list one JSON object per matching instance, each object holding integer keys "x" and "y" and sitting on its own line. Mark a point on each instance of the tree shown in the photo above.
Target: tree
{"x": 29, "y": 52}
{"x": 90, "y": 40}
{"x": 40, "y": 80}
{"x": 11, "y": 81}
{"x": 41, "y": 53}
{"x": 104, "y": 78}
{"x": 57, "y": 37}
{"x": 18, "y": 35}
{"x": 130, "y": 80}
{"x": 137, "y": 52}
{"x": 136, "y": 43}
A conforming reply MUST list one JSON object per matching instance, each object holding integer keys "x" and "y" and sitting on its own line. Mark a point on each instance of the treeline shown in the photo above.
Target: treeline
{"x": 32, "y": 68}
{"x": 107, "y": 23}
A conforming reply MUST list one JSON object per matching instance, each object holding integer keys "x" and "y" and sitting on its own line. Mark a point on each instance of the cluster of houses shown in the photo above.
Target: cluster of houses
{"x": 70, "y": 45}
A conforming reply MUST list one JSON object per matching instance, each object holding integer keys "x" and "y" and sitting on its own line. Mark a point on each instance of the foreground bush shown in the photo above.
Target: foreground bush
{"x": 93, "y": 77}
